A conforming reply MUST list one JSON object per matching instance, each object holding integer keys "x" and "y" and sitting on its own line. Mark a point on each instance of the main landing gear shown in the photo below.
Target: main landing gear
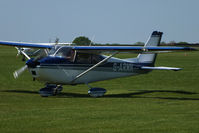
{"x": 96, "y": 92}
{"x": 50, "y": 90}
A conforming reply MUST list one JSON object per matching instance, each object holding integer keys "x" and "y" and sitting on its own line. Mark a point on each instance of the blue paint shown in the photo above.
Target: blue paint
{"x": 54, "y": 60}
{"x": 19, "y": 44}
{"x": 99, "y": 48}
{"x": 63, "y": 62}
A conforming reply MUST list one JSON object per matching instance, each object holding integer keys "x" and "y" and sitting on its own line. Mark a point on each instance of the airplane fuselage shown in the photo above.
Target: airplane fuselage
{"x": 56, "y": 70}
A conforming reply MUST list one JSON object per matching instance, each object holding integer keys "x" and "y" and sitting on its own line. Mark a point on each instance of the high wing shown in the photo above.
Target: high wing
{"x": 102, "y": 49}
{"x": 129, "y": 49}
{"x": 25, "y": 44}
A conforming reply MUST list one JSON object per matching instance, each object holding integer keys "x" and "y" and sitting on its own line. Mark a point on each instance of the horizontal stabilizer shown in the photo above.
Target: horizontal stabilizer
{"x": 161, "y": 68}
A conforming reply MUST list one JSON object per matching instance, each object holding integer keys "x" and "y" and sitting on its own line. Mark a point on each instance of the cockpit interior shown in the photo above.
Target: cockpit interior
{"x": 75, "y": 56}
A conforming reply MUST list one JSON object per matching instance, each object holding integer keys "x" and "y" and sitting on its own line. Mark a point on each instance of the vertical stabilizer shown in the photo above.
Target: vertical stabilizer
{"x": 154, "y": 40}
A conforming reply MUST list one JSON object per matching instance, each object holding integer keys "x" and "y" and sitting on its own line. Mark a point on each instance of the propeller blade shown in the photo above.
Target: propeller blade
{"x": 18, "y": 51}
{"x": 20, "y": 71}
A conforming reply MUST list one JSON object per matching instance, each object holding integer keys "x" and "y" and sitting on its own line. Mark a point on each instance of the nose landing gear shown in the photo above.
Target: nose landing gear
{"x": 50, "y": 90}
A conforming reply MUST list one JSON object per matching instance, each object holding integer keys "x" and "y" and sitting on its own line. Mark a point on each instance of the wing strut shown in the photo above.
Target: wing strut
{"x": 25, "y": 55}
{"x": 91, "y": 68}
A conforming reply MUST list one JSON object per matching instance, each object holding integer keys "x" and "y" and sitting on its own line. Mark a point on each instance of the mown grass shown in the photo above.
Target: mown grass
{"x": 161, "y": 101}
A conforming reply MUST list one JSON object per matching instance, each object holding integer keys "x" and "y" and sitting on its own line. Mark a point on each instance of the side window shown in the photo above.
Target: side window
{"x": 83, "y": 58}
{"x": 96, "y": 59}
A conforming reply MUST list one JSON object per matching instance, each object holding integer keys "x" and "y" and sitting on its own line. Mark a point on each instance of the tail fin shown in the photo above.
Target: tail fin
{"x": 154, "y": 40}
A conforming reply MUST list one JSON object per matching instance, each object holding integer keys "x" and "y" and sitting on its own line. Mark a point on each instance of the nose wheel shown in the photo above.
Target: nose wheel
{"x": 50, "y": 90}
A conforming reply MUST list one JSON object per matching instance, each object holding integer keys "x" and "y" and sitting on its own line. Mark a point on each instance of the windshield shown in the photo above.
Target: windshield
{"x": 54, "y": 49}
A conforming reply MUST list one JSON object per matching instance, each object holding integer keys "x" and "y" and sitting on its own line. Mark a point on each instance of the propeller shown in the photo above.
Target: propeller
{"x": 19, "y": 71}
{"x": 30, "y": 62}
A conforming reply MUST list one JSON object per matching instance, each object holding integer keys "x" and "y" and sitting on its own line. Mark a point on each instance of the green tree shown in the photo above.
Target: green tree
{"x": 183, "y": 43}
{"x": 163, "y": 43}
{"x": 82, "y": 40}
{"x": 139, "y": 43}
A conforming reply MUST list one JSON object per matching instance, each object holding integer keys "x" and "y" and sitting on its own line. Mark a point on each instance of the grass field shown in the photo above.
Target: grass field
{"x": 159, "y": 102}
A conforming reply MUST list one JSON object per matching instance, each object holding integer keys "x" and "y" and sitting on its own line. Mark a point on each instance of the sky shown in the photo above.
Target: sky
{"x": 103, "y": 21}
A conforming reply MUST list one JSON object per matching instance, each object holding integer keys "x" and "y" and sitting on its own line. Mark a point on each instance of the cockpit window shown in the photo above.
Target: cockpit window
{"x": 73, "y": 56}
{"x": 54, "y": 49}
{"x": 85, "y": 58}
{"x": 66, "y": 52}
{"x": 96, "y": 58}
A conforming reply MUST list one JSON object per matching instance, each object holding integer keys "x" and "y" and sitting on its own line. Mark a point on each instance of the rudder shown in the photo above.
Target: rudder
{"x": 154, "y": 40}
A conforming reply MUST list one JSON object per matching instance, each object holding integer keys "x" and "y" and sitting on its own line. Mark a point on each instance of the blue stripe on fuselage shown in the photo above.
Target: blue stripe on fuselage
{"x": 63, "y": 62}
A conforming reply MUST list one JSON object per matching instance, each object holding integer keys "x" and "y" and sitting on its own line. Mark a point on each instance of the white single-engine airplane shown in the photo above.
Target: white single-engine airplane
{"x": 71, "y": 65}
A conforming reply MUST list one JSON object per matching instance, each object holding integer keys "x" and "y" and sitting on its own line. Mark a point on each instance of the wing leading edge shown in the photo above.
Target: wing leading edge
{"x": 24, "y": 44}
{"x": 101, "y": 49}
{"x": 133, "y": 49}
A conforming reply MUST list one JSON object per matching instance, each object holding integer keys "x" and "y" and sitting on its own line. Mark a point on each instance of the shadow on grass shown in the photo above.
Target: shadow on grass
{"x": 142, "y": 92}
{"x": 21, "y": 91}
{"x": 123, "y": 95}
{"x": 136, "y": 95}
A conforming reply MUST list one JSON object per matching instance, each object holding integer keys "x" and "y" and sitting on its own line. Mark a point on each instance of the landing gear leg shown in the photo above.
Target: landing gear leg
{"x": 58, "y": 89}
{"x": 23, "y": 58}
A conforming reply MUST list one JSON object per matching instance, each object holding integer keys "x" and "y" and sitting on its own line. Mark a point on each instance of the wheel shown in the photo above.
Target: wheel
{"x": 45, "y": 92}
{"x": 97, "y": 92}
